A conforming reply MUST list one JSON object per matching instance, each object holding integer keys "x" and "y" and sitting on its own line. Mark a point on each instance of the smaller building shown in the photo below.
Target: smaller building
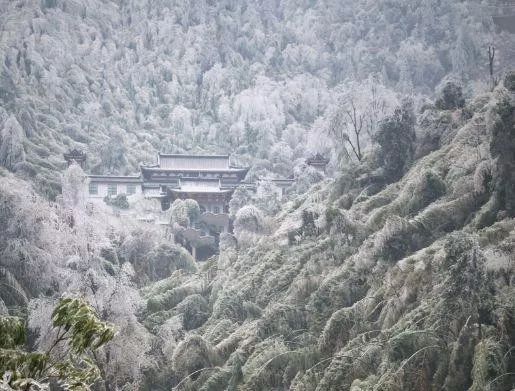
{"x": 76, "y": 156}
{"x": 101, "y": 186}
{"x": 503, "y": 15}
{"x": 318, "y": 161}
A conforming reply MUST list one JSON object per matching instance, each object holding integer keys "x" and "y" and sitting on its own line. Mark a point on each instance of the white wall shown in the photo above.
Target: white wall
{"x": 121, "y": 189}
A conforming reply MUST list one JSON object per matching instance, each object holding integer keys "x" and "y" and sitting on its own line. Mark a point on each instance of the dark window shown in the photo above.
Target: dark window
{"x": 131, "y": 189}
{"x": 216, "y": 209}
{"x": 93, "y": 188}
{"x": 112, "y": 189}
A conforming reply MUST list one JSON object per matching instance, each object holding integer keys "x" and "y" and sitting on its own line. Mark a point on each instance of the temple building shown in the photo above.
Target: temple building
{"x": 208, "y": 179}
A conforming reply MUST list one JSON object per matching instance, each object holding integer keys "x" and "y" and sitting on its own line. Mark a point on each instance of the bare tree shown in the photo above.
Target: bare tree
{"x": 377, "y": 109}
{"x": 348, "y": 120}
{"x": 491, "y": 58}
{"x": 355, "y": 117}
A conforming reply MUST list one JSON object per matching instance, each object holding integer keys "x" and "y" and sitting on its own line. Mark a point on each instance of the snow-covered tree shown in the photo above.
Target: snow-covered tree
{"x": 74, "y": 185}
{"x": 249, "y": 218}
{"x": 355, "y": 118}
{"x": 11, "y": 147}
{"x": 185, "y": 212}
{"x": 239, "y": 199}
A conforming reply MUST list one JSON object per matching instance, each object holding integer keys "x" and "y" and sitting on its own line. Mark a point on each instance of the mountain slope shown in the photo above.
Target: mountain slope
{"x": 409, "y": 287}
{"x": 396, "y": 275}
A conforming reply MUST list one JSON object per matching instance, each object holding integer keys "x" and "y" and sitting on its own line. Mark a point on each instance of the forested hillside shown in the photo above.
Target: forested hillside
{"x": 124, "y": 79}
{"x": 395, "y": 271}
{"x": 394, "y": 277}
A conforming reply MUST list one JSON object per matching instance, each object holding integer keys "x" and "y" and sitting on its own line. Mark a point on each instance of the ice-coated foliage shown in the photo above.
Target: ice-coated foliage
{"x": 43, "y": 254}
{"x": 124, "y": 80}
{"x": 396, "y": 137}
{"x": 393, "y": 270}
{"x": 395, "y": 288}
{"x": 119, "y": 202}
{"x": 451, "y": 97}
{"x": 249, "y": 218}
{"x": 11, "y": 147}
{"x": 194, "y": 310}
{"x": 193, "y": 354}
{"x": 185, "y": 212}
{"x": 249, "y": 224}
{"x": 74, "y": 185}
{"x": 167, "y": 258}
{"x": 77, "y": 327}
{"x": 240, "y": 198}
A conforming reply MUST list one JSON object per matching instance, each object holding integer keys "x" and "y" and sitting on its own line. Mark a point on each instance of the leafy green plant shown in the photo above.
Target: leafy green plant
{"x": 77, "y": 327}
{"x": 120, "y": 201}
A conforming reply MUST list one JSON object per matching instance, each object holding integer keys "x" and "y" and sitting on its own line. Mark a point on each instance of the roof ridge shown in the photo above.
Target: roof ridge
{"x": 180, "y": 155}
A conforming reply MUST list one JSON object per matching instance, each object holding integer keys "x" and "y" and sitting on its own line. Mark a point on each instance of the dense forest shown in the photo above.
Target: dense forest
{"x": 394, "y": 270}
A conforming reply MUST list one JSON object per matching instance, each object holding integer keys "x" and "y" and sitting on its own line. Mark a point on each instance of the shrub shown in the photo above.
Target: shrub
{"x": 488, "y": 364}
{"x": 396, "y": 139}
{"x": 194, "y": 310}
{"x": 451, "y": 97}
{"x": 120, "y": 201}
{"x": 193, "y": 354}
{"x": 163, "y": 285}
{"x": 264, "y": 368}
{"x": 335, "y": 292}
{"x": 239, "y": 199}
{"x": 282, "y": 319}
{"x": 169, "y": 299}
{"x": 109, "y": 254}
{"x": 229, "y": 305}
{"x": 483, "y": 177}
{"x": 337, "y": 330}
{"x": 398, "y": 238}
{"x": 428, "y": 188}
{"x": 509, "y": 81}
{"x": 185, "y": 212}
{"x": 249, "y": 218}
{"x": 136, "y": 249}
{"x": 167, "y": 258}
{"x": 219, "y": 331}
{"x": 501, "y": 148}
{"x": 217, "y": 380}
